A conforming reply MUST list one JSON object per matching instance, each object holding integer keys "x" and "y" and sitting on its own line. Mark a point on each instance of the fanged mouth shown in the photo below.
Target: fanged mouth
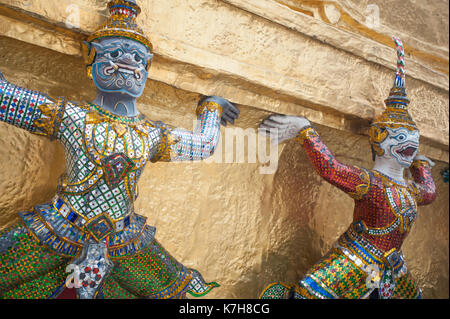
{"x": 407, "y": 151}
{"x": 123, "y": 68}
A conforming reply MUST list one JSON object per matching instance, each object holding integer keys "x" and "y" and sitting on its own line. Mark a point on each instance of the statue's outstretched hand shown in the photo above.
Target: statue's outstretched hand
{"x": 282, "y": 127}
{"x": 229, "y": 112}
{"x": 426, "y": 159}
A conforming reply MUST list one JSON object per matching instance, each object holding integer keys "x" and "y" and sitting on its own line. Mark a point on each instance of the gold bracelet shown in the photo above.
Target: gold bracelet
{"x": 210, "y": 106}
{"x": 419, "y": 163}
{"x": 305, "y": 134}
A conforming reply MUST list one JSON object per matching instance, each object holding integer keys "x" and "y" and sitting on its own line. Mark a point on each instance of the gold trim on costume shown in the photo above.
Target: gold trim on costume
{"x": 419, "y": 163}
{"x": 210, "y": 106}
{"x": 53, "y": 113}
{"x": 50, "y": 250}
{"x": 363, "y": 188}
{"x": 288, "y": 288}
{"x": 306, "y": 133}
{"x": 389, "y": 182}
{"x": 167, "y": 139}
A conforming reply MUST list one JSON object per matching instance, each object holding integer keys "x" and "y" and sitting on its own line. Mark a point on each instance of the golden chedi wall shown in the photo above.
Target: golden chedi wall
{"x": 331, "y": 61}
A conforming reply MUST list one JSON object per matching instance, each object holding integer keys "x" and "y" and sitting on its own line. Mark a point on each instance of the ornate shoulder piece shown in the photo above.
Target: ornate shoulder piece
{"x": 306, "y": 133}
{"x": 49, "y": 122}
{"x": 141, "y": 129}
{"x": 94, "y": 118}
{"x": 167, "y": 140}
{"x": 363, "y": 188}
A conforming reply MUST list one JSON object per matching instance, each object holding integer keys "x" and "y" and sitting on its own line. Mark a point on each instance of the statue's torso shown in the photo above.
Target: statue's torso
{"x": 388, "y": 211}
{"x": 105, "y": 157}
{"x": 104, "y": 160}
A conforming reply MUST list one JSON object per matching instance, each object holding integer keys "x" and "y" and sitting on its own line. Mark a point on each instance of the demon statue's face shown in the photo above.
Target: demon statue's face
{"x": 120, "y": 66}
{"x": 401, "y": 144}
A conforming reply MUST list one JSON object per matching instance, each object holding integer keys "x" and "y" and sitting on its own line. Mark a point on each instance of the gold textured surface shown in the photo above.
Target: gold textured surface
{"x": 237, "y": 227}
{"x": 392, "y": 17}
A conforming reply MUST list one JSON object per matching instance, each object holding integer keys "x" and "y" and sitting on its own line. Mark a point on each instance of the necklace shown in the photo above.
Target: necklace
{"x": 390, "y": 179}
{"x": 121, "y": 103}
{"x": 123, "y": 119}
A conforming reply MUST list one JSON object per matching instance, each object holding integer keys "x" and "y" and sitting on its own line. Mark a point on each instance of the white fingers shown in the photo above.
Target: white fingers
{"x": 281, "y": 119}
{"x": 273, "y": 124}
{"x": 268, "y": 131}
{"x": 281, "y": 127}
{"x": 263, "y": 131}
{"x": 277, "y": 136}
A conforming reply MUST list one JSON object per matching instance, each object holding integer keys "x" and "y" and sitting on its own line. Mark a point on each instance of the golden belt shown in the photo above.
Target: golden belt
{"x": 100, "y": 227}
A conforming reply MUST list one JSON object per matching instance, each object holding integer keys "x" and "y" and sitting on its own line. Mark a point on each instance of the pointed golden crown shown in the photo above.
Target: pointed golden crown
{"x": 122, "y": 23}
{"x": 396, "y": 113}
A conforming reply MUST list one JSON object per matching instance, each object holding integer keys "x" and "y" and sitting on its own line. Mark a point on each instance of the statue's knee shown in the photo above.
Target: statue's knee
{"x": 276, "y": 290}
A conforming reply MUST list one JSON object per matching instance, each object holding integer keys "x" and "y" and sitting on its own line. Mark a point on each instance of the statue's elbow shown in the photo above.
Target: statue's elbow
{"x": 212, "y": 151}
{"x": 429, "y": 197}
{"x": 432, "y": 196}
{"x": 210, "y": 148}
{"x": 208, "y": 152}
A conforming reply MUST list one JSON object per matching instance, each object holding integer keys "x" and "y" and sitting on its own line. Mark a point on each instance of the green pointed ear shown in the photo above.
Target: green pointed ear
{"x": 97, "y": 46}
{"x": 86, "y": 44}
{"x": 89, "y": 53}
{"x": 149, "y": 59}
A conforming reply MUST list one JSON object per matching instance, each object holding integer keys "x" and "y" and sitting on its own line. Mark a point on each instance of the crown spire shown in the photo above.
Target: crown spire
{"x": 400, "y": 74}
{"x": 397, "y": 97}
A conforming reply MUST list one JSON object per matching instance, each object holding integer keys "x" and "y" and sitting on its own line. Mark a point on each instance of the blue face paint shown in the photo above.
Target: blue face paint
{"x": 120, "y": 66}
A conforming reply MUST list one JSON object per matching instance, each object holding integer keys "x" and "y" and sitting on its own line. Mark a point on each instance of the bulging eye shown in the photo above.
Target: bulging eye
{"x": 114, "y": 54}
{"x": 137, "y": 58}
{"x": 401, "y": 137}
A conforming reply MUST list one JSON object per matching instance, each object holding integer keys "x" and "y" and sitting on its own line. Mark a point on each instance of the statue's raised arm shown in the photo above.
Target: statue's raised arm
{"x": 181, "y": 145}
{"x": 33, "y": 111}
{"x": 348, "y": 178}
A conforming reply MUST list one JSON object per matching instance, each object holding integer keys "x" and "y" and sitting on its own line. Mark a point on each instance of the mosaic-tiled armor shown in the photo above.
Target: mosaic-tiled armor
{"x": 89, "y": 230}
{"x": 367, "y": 258}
